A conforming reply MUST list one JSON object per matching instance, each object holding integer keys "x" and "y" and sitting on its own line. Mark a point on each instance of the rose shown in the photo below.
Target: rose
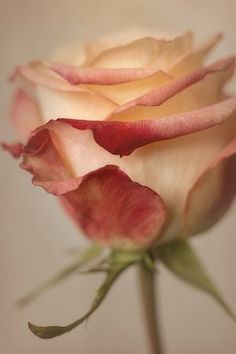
{"x": 137, "y": 137}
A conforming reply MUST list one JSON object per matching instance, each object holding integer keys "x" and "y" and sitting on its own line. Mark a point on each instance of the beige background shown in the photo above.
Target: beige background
{"x": 35, "y": 234}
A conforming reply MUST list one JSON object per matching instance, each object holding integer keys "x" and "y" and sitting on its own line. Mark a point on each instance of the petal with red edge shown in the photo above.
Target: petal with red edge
{"x": 50, "y": 170}
{"x": 14, "y": 149}
{"x": 97, "y": 76}
{"x": 58, "y": 155}
{"x": 59, "y": 98}
{"x": 209, "y": 92}
{"x": 113, "y": 210}
{"x": 122, "y": 138}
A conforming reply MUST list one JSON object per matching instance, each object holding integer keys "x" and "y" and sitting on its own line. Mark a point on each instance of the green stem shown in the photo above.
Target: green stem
{"x": 147, "y": 287}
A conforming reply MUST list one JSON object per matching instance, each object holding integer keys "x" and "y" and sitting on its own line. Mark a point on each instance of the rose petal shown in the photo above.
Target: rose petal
{"x": 122, "y": 138}
{"x": 195, "y": 58}
{"x": 152, "y": 88}
{"x": 207, "y": 92}
{"x": 73, "y": 104}
{"x": 59, "y": 98}
{"x": 56, "y": 154}
{"x": 122, "y": 37}
{"x": 14, "y": 149}
{"x": 44, "y": 159}
{"x": 25, "y": 115}
{"x": 119, "y": 210}
{"x": 143, "y": 53}
{"x": 123, "y": 93}
{"x": 38, "y": 74}
{"x": 97, "y": 76}
{"x": 212, "y": 193}
{"x": 168, "y": 167}
{"x": 113, "y": 210}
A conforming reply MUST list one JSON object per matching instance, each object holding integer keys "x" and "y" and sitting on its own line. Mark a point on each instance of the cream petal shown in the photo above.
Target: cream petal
{"x": 212, "y": 193}
{"x": 58, "y": 98}
{"x": 96, "y": 47}
{"x": 190, "y": 61}
{"x": 196, "y": 90}
{"x": 195, "y": 58}
{"x": 123, "y": 93}
{"x": 143, "y": 53}
{"x": 82, "y": 105}
{"x": 171, "y": 167}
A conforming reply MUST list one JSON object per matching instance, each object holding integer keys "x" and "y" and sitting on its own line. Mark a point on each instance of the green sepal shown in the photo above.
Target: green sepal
{"x": 126, "y": 257}
{"x": 180, "y": 258}
{"x": 83, "y": 259}
{"x": 149, "y": 261}
{"x": 118, "y": 262}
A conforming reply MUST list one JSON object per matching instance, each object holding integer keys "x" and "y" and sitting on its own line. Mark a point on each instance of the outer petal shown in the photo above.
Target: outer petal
{"x": 212, "y": 194}
{"x": 38, "y": 74}
{"x": 122, "y": 138}
{"x": 59, "y": 98}
{"x": 15, "y": 150}
{"x": 106, "y": 204}
{"x": 113, "y": 210}
{"x": 50, "y": 170}
{"x": 25, "y": 114}
{"x": 59, "y": 156}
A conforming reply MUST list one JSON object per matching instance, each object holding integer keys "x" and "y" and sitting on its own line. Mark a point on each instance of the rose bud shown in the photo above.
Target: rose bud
{"x": 137, "y": 137}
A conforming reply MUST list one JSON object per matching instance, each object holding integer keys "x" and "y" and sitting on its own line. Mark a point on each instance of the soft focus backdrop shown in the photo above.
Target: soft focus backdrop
{"x": 35, "y": 234}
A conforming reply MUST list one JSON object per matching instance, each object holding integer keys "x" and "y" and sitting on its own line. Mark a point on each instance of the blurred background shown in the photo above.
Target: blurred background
{"x": 35, "y": 234}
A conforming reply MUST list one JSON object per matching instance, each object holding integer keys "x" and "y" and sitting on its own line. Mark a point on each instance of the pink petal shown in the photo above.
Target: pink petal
{"x": 106, "y": 204}
{"x": 50, "y": 170}
{"x": 97, "y": 76}
{"x": 128, "y": 91}
{"x": 59, "y": 156}
{"x": 193, "y": 90}
{"x": 165, "y": 92}
{"x": 57, "y": 95}
{"x": 212, "y": 193}
{"x": 122, "y": 138}
{"x": 38, "y": 73}
{"x": 113, "y": 210}
{"x": 25, "y": 115}
{"x": 14, "y": 149}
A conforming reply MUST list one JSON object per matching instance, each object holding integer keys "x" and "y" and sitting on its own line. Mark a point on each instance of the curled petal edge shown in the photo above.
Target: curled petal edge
{"x": 225, "y": 165}
{"x": 113, "y": 210}
{"x": 122, "y": 138}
